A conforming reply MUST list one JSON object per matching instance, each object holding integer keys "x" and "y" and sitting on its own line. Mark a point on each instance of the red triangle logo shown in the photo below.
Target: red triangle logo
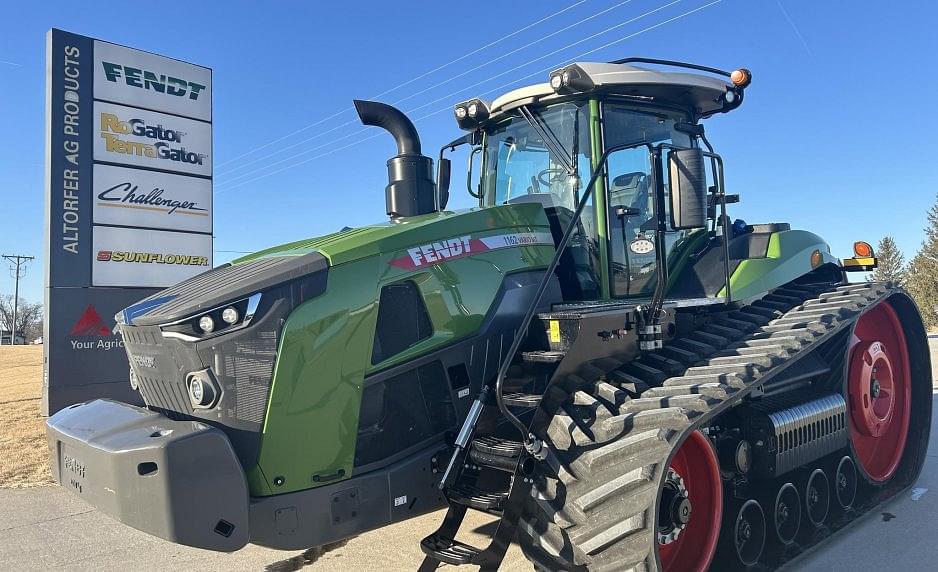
{"x": 90, "y": 324}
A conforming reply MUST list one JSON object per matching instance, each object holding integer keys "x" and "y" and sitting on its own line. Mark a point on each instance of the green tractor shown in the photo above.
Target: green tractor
{"x": 595, "y": 353}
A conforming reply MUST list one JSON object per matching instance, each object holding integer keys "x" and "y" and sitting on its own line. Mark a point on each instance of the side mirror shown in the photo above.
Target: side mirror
{"x": 444, "y": 168}
{"x": 687, "y": 179}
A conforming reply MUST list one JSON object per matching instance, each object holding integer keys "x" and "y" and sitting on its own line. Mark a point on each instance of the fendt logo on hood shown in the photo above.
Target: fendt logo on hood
{"x": 433, "y": 253}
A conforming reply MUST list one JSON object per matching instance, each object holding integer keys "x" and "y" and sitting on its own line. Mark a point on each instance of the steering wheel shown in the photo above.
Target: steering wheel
{"x": 550, "y": 171}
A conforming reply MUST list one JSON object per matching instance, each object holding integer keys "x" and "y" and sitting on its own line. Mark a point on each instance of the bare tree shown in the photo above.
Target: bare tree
{"x": 28, "y": 317}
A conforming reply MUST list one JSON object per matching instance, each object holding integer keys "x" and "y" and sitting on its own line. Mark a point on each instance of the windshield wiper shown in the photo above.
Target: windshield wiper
{"x": 550, "y": 139}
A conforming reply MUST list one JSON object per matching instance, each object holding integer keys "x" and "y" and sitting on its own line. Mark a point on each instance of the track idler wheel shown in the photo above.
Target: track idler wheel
{"x": 879, "y": 389}
{"x": 845, "y": 483}
{"x": 817, "y": 497}
{"x": 690, "y": 507}
{"x": 786, "y": 514}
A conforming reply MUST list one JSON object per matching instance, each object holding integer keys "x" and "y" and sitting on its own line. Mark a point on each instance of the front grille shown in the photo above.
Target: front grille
{"x": 157, "y": 369}
{"x": 251, "y": 366}
{"x": 242, "y": 365}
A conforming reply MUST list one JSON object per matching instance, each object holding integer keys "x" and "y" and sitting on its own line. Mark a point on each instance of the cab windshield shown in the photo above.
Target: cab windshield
{"x": 519, "y": 160}
{"x": 546, "y": 158}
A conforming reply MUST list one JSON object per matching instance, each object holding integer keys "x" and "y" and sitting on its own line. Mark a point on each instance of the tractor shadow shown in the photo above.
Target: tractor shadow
{"x": 308, "y": 557}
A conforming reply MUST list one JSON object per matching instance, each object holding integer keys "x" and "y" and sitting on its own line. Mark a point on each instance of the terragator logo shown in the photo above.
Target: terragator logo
{"x": 145, "y": 79}
{"x": 112, "y": 127}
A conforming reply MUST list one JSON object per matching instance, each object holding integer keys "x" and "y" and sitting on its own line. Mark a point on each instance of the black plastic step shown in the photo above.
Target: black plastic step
{"x": 542, "y": 356}
{"x": 448, "y": 550}
{"x": 497, "y": 446}
{"x": 496, "y": 453}
{"x": 527, "y": 400}
{"x": 472, "y": 497}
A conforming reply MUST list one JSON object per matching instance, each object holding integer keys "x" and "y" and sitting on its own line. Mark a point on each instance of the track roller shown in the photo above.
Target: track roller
{"x": 787, "y": 513}
{"x": 845, "y": 483}
{"x": 745, "y": 537}
{"x": 817, "y": 497}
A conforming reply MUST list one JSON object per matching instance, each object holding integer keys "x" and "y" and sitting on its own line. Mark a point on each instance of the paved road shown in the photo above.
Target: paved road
{"x": 47, "y": 528}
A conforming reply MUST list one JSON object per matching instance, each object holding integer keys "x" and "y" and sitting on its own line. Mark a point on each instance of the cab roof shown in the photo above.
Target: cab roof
{"x": 702, "y": 94}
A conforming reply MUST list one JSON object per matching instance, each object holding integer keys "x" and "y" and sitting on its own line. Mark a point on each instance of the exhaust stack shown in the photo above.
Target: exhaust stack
{"x": 411, "y": 190}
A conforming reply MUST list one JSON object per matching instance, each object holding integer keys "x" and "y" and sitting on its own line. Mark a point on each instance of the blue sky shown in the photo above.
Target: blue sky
{"x": 824, "y": 139}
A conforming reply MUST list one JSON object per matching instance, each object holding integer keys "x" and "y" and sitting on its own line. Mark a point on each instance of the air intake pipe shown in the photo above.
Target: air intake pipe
{"x": 411, "y": 190}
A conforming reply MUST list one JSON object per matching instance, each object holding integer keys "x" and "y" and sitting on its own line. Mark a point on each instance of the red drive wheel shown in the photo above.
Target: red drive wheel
{"x": 690, "y": 508}
{"x": 880, "y": 392}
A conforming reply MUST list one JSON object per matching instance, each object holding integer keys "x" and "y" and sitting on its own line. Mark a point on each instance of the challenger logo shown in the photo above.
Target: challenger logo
{"x": 113, "y": 128}
{"x": 151, "y": 258}
{"x": 454, "y": 248}
{"x": 126, "y": 195}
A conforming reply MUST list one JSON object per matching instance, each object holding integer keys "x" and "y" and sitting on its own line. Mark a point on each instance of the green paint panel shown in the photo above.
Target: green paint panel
{"x": 311, "y": 424}
{"x": 601, "y": 211}
{"x": 788, "y": 257}
{"x": 358, "y": 243}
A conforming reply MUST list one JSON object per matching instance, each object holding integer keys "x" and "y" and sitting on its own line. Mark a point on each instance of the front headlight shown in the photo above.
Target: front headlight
{"x": 203, "y": 390}
{"x": 215, "y": 322}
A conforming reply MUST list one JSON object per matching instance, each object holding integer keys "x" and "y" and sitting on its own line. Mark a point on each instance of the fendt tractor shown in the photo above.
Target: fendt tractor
{"x": 595, "y": 354}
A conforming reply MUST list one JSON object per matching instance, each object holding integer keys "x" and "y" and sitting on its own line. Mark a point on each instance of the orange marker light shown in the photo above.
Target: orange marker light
{"x": 741, "y": 77}
{"x": 816, "y": 259}
{"x": 862, "y": 249}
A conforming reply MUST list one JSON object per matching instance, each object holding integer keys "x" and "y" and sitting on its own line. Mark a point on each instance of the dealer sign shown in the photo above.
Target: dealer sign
{"x": 129, "y": 201}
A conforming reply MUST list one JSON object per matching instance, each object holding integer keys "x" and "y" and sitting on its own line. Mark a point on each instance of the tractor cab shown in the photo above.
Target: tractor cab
{"x": 543, "y": 143}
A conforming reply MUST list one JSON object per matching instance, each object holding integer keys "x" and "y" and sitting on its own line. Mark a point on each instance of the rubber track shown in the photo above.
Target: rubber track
{"x": 595, "y": 504}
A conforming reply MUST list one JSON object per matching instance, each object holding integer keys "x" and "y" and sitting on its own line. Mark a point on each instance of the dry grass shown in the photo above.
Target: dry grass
{"x": 24, "y": 453}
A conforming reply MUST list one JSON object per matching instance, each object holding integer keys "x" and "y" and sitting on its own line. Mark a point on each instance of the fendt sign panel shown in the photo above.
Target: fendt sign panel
{"x": 147, "y": 81}
{"x": 129, "y": 201}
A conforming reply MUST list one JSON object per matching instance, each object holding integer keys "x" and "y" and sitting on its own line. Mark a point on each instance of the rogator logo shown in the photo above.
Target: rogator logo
{"x": 90, "y": 325}
{"x": 151, "y": 258}
{"x": 145, "y": 79}
{"x": 113, "y": 128}
{"x": 454, "y": 248}
{"x": 127, "y": 195}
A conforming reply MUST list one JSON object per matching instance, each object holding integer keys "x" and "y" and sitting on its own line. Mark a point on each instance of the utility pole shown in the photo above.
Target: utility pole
{"x": 17, "y": 262}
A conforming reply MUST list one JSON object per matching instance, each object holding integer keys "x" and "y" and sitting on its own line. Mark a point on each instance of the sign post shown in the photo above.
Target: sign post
{"x": 128, "y": 201}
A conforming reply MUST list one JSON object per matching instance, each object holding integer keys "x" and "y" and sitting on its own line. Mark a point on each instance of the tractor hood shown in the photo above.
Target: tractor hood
{"x": 311, "y": 258}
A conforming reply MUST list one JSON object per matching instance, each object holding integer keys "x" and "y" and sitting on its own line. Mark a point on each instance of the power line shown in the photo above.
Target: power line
{"x": 549, "y": 68}
{"x": 439, "y": 99}
{"x": 416, "y": 93}
{"x": 17, "y": 262}
{"x": 408, "y": 82}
